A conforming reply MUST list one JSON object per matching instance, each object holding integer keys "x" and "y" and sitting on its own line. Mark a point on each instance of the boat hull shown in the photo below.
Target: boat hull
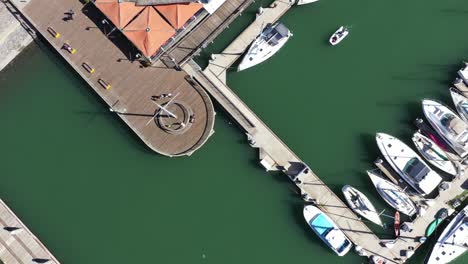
{"x": 393, "y": 195}
{"x": 326, "y": 227}
{"x": 408, "y": 164}
{"x": 434, "y": 154}
{"x": 338, "y": 36}
{"x": 361, "y": 205}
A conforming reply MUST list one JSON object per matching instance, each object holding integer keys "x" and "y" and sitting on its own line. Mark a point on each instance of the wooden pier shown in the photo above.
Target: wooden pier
{"x": 18, "y": 245}
{"x": 106, "y": 63}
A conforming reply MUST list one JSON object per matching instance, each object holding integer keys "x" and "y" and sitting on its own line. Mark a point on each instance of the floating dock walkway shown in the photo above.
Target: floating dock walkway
{"x": 18, "y": 245}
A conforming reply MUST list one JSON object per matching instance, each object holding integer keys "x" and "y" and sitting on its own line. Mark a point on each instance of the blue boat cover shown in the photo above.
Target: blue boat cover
{"x": 321, "y": 224}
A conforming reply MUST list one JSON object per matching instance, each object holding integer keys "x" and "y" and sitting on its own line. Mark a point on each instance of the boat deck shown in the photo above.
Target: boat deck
{"x": 130, "y": 85}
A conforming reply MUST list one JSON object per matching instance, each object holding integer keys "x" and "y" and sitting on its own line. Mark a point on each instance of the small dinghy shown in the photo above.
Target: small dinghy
{"x": 360, "y": 204}
{"x": 432, "y": 226}
{"x": 448, "y": 124}
{"x": 461, "y": 103}
{"x": 393, "y": 195}
{"x": 434, "y": 154}
{"x": 453, "y": 241}
{"x": 396, "y": 224}
{"x": 327, "y": 230}
{"x": 267, "y": 44}
{"x": 408, "y": 164}
{"x": 339, "y": 35}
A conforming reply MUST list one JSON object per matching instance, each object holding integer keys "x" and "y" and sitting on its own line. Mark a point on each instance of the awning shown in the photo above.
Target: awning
{"x": 149, "y": 31}
{"x": 179, "y": 14}
{"x": 120, "y": 13}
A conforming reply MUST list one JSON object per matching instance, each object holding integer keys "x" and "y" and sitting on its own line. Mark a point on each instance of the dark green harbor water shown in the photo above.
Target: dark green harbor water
{"x": 93, "y": 193}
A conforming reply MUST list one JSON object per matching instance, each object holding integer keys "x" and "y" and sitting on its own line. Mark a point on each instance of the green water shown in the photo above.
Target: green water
{"x": 93, "y": 193}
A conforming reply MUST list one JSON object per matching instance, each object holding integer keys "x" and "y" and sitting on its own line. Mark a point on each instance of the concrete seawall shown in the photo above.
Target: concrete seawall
{"x": 13, "y": 35}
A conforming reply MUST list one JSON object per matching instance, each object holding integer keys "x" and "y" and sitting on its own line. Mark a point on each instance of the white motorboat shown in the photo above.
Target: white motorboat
{"x": 453, "y": 241}
{"x": 360, "y": 204}
{"x": 461, "y": 103}
{"x": 327, "y": 230}
{"x": 339, "y": 35}
{"x": 434, "y": 154}
{"x": 269, "y": 42}
{"x": 393, "y": 195}
{"x": 448, "y": 124}
{"x": 408, "y": 164}
{"x": 463, "y": 73}
{"x": 303, "y": 2}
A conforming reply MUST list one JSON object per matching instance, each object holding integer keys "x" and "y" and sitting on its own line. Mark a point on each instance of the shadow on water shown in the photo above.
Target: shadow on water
{"x": 368, "y": 147}
{"x": 453, "y": 11}
{"x": 92, "y": 97}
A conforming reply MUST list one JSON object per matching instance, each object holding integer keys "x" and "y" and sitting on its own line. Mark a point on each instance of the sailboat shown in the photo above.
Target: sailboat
{"x": 360, "y": 204}
{"x": 393, "y": 195}
{"x": 448, "y": 124}
{"x": 408, "y": 164}
{"x": 453, "y": 241}
{"x": 269, "y": 42}
{"x": 339, "y": 35}
{"x": 434, "y": 154}
{"x": 327, "y": 230}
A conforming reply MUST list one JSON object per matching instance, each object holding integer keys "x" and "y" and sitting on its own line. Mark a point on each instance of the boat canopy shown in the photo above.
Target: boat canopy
{"x": 321, "y": 224}
{"x": 275, "y": 34}
{"x": 416, "y": 169}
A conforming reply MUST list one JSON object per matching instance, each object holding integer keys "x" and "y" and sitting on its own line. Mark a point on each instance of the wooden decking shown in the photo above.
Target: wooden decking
{"x": 207, "y": 30}
{"x": 132, "y": 86}
{"x": 18, "y": 245}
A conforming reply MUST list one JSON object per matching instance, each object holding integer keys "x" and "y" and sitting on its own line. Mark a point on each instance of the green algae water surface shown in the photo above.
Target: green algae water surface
{"x": 93, "y": 193}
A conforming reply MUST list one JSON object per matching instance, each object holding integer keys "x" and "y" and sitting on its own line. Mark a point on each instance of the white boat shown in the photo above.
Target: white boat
{"x": 303, "y": 2}
{"x": 448, "y": 124}
{"x": 339, "y": 35}
{"x": 463, "y": 73}
{"x": 360, "y": 204}
{"x": 393, "y": 195}
{"x": 453, "y": 241}
{"x": 408, "y": 164}
{"x": 269, "y": 42}
{"x": 461, "y": 103}
{"x": 434, "y": 154}
{"x": 327, "y": 230}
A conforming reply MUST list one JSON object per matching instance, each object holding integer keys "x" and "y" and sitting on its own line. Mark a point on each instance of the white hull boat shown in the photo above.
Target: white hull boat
{"x": 269, "y": 42}
{"x": 393, "y": 195}
{"x": 360, "y": 204}
{"x": 408, "y": 164}
{"x": 463, "y": 73}
{"x": 339, "y": 35}
{"x": 327, "y": 230}
{"x": 453, "y": 241}
{"x": 461, "y": 103}
{"x": 434, "y": 154}
{"x": 303, "y": 2}
{"x": 448, "y": 124}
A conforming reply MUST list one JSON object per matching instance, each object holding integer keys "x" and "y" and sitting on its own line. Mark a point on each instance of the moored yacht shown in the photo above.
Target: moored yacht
{"x": 393, "y": 195}
{"x": 327, "y": 230}
{"x": 360, "y": 204}
{"x": 453, "y": 241}
{"x": 408, "y": 164}
{"x": 448, "y": 124}
{"x": 434, "y": 154}
{"x": 269, "y": 42}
